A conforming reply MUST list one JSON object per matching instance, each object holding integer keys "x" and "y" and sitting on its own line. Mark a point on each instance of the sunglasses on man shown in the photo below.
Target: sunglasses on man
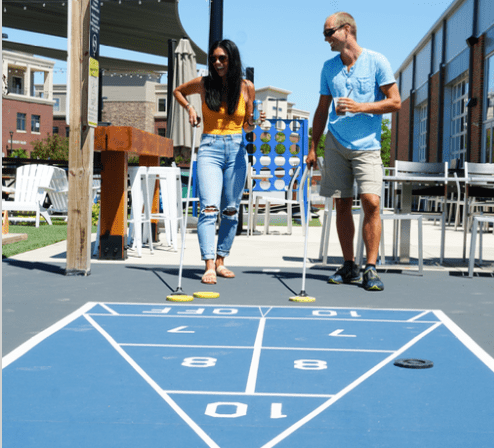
{"x": 331, "y": 31}
{"x": 222, "y": 58}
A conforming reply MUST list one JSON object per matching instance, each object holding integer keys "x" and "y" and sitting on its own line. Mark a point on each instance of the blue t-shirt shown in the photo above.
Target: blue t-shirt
{"x": 370, "y": 71}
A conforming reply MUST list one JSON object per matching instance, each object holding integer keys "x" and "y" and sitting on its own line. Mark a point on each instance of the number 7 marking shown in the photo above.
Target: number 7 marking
{"x": 180, "y": 330}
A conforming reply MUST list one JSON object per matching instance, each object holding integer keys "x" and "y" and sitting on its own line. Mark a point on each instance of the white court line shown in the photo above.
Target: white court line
{"x": 107, "y": 308}
{"x": 303, "y": 319}
{"x": 323, "y": 308}
{"x": 466, "y": 340}
{"x": 130, "y": 344}
{"x": 198, "y": 316}
{"x": 239, "y": 347}
{"x": 266, "y": 313}
{"x": 413, "y": 319}
{"x": 154, "y": 385}
{"x": 348, "y": 389}
{"x": 254, "y": 367}
{"x": 244, "y": 394}
{"x": 29, "y": 344}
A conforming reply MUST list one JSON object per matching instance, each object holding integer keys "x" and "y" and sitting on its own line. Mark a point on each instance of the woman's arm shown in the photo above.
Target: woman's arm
{"x": 195, "y": 86}
{"x": 250, "y": 96}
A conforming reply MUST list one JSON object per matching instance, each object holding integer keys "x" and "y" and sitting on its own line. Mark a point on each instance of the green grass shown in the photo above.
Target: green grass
{"x": 42, "y": 236}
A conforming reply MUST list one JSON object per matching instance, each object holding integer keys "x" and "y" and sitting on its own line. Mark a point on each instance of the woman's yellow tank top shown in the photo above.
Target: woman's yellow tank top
{"x": 220, "y": 123}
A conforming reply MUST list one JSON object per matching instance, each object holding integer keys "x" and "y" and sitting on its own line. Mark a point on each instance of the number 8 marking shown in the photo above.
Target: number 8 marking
{"x": 310, "y": 364}
{"x": 199, "y": 362}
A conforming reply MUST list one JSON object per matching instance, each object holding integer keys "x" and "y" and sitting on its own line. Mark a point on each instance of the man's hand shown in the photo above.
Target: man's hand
{"x": 347, "y": 105}
{"x": 312, "y": 160}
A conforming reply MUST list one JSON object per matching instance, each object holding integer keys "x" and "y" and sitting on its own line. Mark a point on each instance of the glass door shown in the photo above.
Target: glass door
{"x": 487, "y": 153}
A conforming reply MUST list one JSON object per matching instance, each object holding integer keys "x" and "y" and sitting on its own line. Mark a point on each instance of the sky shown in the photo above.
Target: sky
{"x": 283, "y": 40}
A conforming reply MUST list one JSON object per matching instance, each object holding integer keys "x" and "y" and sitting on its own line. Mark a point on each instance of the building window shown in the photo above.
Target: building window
{"x": 423, "y": 133}
{"x": 161, "y": 104}
{"x": 67, "y": 131}
{"x": 35, "y": 123}
{"x": 17, "y": 85}
{"x": 162, "y": 132}
{"x": 21, "y": 121}
{"x": 459, "y": 99}
{"x": 55, "y": 130}
{"x": 56, "y": 106}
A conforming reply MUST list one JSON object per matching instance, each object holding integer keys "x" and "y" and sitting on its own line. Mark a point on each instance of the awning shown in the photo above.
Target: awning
{"x": 138, "y": 25}
{"x": 105, "y": 63}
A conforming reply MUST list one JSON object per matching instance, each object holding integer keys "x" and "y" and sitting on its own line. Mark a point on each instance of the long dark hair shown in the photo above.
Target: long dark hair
{"x": 213, "y": 83}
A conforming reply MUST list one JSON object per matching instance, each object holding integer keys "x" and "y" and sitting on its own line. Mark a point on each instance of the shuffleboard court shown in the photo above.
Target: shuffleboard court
{"x": 194, "y": 375}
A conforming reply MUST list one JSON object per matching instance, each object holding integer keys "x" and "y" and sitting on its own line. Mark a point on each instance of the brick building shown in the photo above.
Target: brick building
{"x": 27, "y": 100}
{"x": 129, "y": 99}
{"x": 447, "y": 89}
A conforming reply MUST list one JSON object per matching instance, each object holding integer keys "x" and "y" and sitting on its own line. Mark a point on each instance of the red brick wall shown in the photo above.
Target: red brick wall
{"x": 477, "y": 92}
{"x": 394, "y": 127}
{"x": 403, "y": 131}
{"x": 435, "y": 125}
{"x": 62, "y": 126}
{"x": 23, "y": 139}
{"x": 159, "y": 123}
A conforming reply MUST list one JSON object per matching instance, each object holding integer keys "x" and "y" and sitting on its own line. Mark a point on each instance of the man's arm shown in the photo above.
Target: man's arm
{"x": 318, "y": 125}
{"x": 391, "y": 103}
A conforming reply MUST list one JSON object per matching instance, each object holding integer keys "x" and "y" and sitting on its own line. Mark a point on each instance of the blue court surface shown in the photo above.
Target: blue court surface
{"x": 191, "y": 376}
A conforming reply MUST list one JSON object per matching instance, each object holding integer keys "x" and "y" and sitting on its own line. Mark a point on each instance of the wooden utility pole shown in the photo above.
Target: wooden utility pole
{"x": 81, "y": 145}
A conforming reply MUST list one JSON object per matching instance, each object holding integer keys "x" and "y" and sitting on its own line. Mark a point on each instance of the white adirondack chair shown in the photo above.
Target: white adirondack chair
{"x": 30, "y": 192}
{"x": 58, "y": 193}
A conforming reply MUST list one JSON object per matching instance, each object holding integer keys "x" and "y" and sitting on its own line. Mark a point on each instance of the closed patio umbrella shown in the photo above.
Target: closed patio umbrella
{"x": 184, "y": 70}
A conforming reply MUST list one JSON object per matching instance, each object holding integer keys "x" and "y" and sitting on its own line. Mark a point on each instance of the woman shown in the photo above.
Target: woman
{"x": 227, "y": 107}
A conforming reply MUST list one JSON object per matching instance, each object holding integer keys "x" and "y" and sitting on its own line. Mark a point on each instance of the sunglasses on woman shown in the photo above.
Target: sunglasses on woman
{"x": 221, "y": 58}
{"x": 331, "y": 31}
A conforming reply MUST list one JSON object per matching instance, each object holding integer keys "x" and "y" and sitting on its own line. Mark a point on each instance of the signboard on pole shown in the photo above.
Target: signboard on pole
{"x": 94, "y": 27}
{"x": 93, "y": 89}
{"x": 93, "y": 85}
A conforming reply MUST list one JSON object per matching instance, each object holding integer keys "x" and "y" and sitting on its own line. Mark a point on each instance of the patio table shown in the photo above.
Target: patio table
{"x": 115, "y": 143}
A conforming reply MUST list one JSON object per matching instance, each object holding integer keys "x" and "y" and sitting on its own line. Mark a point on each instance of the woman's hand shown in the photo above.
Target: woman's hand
{"x": 250, "y": 121}
{"x": 194, "y": 119}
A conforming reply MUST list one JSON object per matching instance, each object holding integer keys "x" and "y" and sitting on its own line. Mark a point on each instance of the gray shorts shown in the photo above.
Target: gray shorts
{"x": 342, "y": 166}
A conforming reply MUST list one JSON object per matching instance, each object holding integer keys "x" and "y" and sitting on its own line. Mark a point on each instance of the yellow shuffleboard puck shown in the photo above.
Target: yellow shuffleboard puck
{"x": 206, "y": 295}
{"x": 180, "y": 298}
{"x": 302, "y": 299}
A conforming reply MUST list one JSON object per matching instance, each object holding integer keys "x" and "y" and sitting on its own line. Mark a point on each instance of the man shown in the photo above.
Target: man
{"x": 365, "y": 88}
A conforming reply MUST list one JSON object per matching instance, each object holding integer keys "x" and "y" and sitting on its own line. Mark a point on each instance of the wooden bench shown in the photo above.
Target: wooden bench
{"x": 10, "y": 238}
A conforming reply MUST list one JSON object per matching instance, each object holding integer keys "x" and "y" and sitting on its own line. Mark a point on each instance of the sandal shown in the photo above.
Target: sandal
{"x": 209, "y": 277}
{"x": 222, "y": 271}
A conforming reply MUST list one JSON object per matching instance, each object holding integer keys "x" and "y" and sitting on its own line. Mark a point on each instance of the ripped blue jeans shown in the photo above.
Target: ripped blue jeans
{"x": 221, "y": 174}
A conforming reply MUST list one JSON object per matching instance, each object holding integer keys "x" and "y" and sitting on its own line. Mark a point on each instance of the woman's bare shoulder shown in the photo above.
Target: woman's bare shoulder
{"x": 248, "y": 88}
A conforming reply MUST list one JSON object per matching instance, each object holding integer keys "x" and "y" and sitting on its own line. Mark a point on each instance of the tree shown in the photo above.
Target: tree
{"x": 385, "y": 142}
{"x": 320, "y": 146}
{"x": 52, "y": 147}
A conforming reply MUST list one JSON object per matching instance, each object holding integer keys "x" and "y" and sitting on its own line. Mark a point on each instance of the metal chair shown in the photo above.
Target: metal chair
{"x": 386, "y": 215}
{"x": 473, "y": 240}
{"x": 416, "y": 181}
{"x": 479, "y": 186}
